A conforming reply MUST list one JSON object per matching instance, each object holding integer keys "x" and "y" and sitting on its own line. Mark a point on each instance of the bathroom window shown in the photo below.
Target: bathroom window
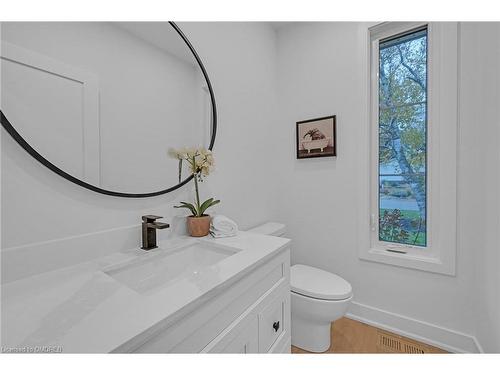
{"x": 411, "y": 212}
{"x": 402, "y": 138}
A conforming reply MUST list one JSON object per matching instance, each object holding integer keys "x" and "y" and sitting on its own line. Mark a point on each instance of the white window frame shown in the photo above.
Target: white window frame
{"x": 442, "y": 93}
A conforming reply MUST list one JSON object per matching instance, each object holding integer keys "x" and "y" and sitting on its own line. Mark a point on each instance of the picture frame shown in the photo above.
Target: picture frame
{"x": 316, "y": 138}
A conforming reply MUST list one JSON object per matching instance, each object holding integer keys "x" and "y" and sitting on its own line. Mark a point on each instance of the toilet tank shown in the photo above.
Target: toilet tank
{"x": 270, "y": 228}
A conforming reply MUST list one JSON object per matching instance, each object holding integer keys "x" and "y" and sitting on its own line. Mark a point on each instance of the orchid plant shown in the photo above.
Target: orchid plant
{"x": 200, "y": 162}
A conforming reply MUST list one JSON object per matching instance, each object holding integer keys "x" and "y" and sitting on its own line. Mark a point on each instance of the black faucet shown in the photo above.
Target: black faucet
{"x": 149, "y": 227}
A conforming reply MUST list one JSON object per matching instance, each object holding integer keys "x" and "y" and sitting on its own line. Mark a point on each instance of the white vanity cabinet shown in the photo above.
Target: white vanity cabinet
{"x": 251, "y": 315}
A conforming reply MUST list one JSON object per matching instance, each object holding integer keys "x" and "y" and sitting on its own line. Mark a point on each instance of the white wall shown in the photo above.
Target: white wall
{"x": 38, "y": 205}
{"x": 323, "y": 72}
{"x": 481, "y": 98}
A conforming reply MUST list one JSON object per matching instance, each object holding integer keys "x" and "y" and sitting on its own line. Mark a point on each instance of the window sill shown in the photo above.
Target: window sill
{"x": 423, "y": 263}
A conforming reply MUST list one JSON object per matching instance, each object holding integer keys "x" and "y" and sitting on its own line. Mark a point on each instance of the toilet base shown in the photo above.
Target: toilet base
{"x": 309, "y": 336}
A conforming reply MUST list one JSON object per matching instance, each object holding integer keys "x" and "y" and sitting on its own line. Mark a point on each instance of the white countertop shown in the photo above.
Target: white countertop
{"x": 83, "y": 309}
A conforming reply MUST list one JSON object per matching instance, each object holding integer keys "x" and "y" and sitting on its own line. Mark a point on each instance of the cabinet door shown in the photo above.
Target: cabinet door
{"x": 242, "y": 338}
{"x": 246, "y": 341}
{"x": 272, "y": 323}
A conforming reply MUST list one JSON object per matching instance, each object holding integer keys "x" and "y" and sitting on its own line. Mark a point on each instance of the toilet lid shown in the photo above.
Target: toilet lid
{"x": 316, "y": 283}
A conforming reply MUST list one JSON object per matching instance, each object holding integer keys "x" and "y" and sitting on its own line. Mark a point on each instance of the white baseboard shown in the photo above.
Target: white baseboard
{"x": 444, "y": 338}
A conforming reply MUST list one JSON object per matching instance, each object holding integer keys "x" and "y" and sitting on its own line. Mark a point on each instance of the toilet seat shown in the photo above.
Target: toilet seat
{"x": 319, "y": 284}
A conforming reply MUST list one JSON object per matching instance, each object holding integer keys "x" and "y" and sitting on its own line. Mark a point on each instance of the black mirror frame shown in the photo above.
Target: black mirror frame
{"x": 22, "y": 142}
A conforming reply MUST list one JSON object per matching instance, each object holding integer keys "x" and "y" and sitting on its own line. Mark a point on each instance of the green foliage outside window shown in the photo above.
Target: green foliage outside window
{"x": 403, "y": 139}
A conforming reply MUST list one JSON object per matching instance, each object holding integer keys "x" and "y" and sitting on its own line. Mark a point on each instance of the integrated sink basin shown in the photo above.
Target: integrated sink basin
{"x": 162, "y": 267}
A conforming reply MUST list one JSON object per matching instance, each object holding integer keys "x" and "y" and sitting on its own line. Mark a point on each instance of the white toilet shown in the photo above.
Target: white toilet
{"x": 318, "y": 298}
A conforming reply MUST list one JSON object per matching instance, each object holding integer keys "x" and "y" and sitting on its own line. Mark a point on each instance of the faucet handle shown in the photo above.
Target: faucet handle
{"x": 150, "y": 218}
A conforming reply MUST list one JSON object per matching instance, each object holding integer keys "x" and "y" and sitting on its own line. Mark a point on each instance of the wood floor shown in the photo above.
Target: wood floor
{"x": 351, "y": 336}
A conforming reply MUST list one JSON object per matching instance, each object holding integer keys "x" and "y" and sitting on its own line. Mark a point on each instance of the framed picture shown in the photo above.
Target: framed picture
{"x": 316, "y": 138}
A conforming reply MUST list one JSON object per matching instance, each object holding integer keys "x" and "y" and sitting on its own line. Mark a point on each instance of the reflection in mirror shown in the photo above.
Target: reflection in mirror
{"x": 105, "y": 101}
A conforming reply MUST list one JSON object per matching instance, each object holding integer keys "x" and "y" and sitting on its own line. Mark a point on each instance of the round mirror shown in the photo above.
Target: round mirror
{"x": 101, "y": 103}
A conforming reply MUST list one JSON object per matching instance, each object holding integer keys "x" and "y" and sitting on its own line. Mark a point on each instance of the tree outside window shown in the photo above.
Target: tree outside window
{"x": 403, "y": 139}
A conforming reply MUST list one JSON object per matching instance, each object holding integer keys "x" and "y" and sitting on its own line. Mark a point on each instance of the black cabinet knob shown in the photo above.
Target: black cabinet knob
{"x": 276, "y": 326}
